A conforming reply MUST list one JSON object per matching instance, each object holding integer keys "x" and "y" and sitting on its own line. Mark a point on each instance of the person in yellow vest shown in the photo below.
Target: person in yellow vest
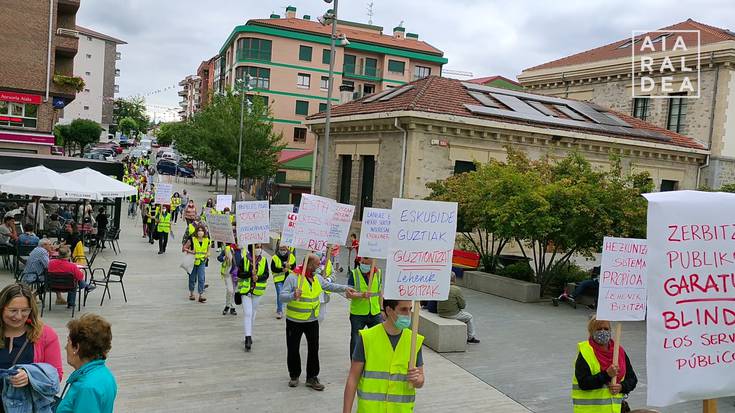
{"x": 302, "y": 313}
{"x": 151, "y": 213}
{"x": 164, "y": 228}
{"x": 251, "y": 287}
{"x": 281, "y": 264}
{"x": 199, "y": 247}
{"x": 229, "y": 255}
{"x": 365, "y": 308}
{"x": 592, "y": 388}
{"x": 175, "y": 206}
{"x": 380, "y": 373}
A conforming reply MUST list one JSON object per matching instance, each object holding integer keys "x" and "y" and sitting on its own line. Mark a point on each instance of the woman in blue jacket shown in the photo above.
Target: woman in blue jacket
{"x": 91, "y": 388}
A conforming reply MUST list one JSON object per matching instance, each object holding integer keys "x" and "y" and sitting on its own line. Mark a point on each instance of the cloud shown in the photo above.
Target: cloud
{"x": 168, "y": 39}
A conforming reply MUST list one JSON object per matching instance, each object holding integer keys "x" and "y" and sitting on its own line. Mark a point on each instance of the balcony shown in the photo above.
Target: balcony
{"x": 182, "y": 93}
{"x": 117, "y": 72}
{"x": 118, "y": 56}
{"x": 68, "y": 6}
{"x": 66, "y": 42}
{"x": 361, "y": 72}
{"x": 184, "y": 103}
{"x": 117, "y": 89}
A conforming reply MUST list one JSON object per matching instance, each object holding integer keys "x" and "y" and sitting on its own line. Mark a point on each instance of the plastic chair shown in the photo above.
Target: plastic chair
{"x": 117, "y": 270}
{"x": 62, "y": 282}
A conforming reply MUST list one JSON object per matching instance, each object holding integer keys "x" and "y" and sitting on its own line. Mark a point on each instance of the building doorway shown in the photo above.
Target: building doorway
{"x": 368, "y": 182}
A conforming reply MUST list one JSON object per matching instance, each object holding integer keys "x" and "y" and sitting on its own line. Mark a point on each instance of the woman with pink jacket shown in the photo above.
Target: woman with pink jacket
{"x": 190, "y": 212}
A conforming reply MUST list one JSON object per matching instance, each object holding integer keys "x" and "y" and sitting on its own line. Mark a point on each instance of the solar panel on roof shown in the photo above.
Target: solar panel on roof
{"x": 377, "y": 96}
{"x": 395, "y": 93}
{"x": 541, "y": 108}
{"x": 484, "y": 99}
{"x": 572, "y": 114}
{"x": 616, "y": 120}
{"x": 515, "y": 104}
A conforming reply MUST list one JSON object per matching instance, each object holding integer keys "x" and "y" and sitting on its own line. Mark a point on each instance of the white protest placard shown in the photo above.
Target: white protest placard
{"x": 220, "y": 228}
{"x": 224, "y": 201}
{"x": 253, "y": 223}
{"x": 341, "y": 221}
{"x": 289, "y": 229}
{"x": 375, "y": 233}
{"x": 163, "y": 193}
{"x": 622, "y": 294}
{"x": 690, "y": 349}
{"x": 279, "y": 214}
{"x": 420, "y": 253}
{"x": 314, "y": 223}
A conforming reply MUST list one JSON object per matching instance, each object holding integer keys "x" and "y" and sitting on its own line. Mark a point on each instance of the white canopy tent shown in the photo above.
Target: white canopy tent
{"x": 100, "y": 183}
{"x": 43, "y": 182}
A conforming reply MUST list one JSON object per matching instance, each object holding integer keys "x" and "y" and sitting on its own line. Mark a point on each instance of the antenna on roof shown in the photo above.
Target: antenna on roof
{"x": 459, "y": 73}
{"x": 370, "y": 12}
{"x": 401, "y": 24}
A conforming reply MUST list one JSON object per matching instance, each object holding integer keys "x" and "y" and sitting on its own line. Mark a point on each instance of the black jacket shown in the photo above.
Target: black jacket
{"x": 588, "y": 381}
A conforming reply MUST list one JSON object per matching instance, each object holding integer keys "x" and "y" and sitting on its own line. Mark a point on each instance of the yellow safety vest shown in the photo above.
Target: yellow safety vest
{"x": 279, "y": 277}
{"x": 164, "y": 223}
{"x": 308, "y": 304}
{"x": 384, "y": 385}
{"x": 597, "y": 400}
{"x": 200, "y": 249}
{"x": 149, "y": 213}
{"x": 175, "y": 202}
{"x": 244, "y": 284}
{"x": 224, "y": 268}
{"x": 365, "y": 306}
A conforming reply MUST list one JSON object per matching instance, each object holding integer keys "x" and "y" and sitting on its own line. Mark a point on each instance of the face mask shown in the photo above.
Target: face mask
{"x": 200, "y": 234}
{"x": 282, "y": 252}
{"x": 258, "y": 251}
{"x": 365, "y": 268}
{"x": 319, "y": 254}
{"x": 602, "y": 337}
{"x": 402, "y": 321}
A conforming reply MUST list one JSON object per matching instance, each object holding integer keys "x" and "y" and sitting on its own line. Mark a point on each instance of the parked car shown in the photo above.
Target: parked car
{"x": 96, "y": 155}
{"x": 107, "y": 151}
{"x": 138, "y": 153}
{"x": 154, "y": 143}
{"x": 166, "y": 167}
{"x": 170, "y": 156}
{"x": 57, "y": 150}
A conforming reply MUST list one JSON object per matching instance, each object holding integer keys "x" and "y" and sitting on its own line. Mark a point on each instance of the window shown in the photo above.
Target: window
{"x": 641, "y": 108}
{"x": 89, "y": 38}
{"x": 322, "y": 107}
{"x": 23, "y": 115}
{"x": 117, "y": 72}
{"x": 118, "y": 55}
{"x": 677, "y": 113}
{"x": 395, "y": 66}
{"x": 345, "y": 179}
{"x": 86, "y": 108}
{"x": 326, "y": 54}
{"x": 88, "y": 73}
{"x": 299, "y": 135}
{"x": 349, "y": 65}
{"x": 89, "y": 56}
{"x": 420, "y": 72}
{"x": 461, "y": 167}
{"x": 305, "y": 53}
{"x": 117, "y": 88}
{"x": 260, "y": 77}
{"x": 254, "y": 49}
{"x": 324, "y": 83}
{"x": 86, "y": 90}
{"x": 371, "y": 67}
{"x": 303, "y": 81}
{"x": 667, "y": 185}
{"x": 302, "y": 107}
{"x": 348, "y": 83}
{"x": 368, "y": 89}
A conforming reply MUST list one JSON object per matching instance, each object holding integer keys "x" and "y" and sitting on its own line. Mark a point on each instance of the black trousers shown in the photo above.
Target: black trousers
{"x": 294, "y": 331}
{"x": 151, "y": 230}
{"x": 162, "y": 241}
{"x": 357, "y": 323}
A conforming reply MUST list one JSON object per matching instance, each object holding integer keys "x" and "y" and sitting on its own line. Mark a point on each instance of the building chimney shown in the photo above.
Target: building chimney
{"x": 346, "y": 92}
{"x": 413, "y": 36}
{"x": 290, "y": 12}
{"x": 399, "y": 32}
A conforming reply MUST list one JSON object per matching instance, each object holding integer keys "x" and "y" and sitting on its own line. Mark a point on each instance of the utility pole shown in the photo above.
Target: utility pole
{"x": 328, "y": 119}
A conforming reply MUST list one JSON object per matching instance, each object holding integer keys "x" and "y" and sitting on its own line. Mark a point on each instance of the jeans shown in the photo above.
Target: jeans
{"x": 294, "y": 331}
{"x": 279, "y": 304}
{"x": 162, "y": 241}
{"x": 357, "y": 323}
{"x": 197, "y": 277}
{"x": 176, "y": 215}
{"x": 584, "y": 286}
{"x": 71, "y": 296}
{"x": 249, "y": 309}
{"x": 466, "y": 318}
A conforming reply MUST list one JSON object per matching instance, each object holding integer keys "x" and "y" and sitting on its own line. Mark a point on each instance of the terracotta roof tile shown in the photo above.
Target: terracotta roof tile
{"x": 287, "y": 155}
{"x": 488, "y": 79}
{"x": 708, "y": 34}
{"x": 448, "y": 96}
{"x": 352, "y": 34}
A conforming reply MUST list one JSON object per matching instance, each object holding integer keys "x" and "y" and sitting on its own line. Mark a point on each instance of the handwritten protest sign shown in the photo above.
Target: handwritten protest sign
{"x": 341, "y": 221}
{"x": 289, "y": 229}
{"x": 622, "y": 294}
{"x": 278, "y": 215}
{"x": 420, "y": 254}
{"x": 163, "y": 193}
{"x": 220, "y": 228}
{"x": 375, "y": 233}
{"x": 314, "y": 223}
{"x": 690, "y": 352}
{"x": 224, "y": 201}
{"x": 253, "y": 223}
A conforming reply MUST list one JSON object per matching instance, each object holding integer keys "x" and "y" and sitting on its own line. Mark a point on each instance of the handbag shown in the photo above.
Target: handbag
{"x": 624, "y": 407}
{"x": 187, "y": 263}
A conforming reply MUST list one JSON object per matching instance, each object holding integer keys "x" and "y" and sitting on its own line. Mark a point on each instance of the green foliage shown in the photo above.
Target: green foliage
{"x": 127, "y": 126}
{"x": 727, "y": 188}
{"x": 166, "y": 132}
{"x": 553, "y": 209}
{"x": 133, "y": 108}
{"x": 562, "y": 274}
{"x": 75, "y": 82}
{"x": 79, "y": 133}
{"x": 518, "y": 271}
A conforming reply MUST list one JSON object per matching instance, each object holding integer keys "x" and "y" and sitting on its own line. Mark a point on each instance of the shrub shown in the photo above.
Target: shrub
{"x": 566, "y": 273}
{"x": 519, "y": 271}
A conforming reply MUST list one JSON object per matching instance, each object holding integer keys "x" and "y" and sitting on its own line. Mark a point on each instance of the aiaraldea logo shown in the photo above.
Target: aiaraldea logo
{"x": 665, "y": 63}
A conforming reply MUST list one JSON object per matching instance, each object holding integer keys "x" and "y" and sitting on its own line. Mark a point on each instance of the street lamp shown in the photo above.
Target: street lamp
{"x": 242, "y": 88}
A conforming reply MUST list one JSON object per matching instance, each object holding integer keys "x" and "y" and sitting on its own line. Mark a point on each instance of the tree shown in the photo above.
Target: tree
{"x": 167, "y": 131}
{"x": 127, "y": 126}
{"x": 131, "y": 108}
{"x": 62, "y": 135}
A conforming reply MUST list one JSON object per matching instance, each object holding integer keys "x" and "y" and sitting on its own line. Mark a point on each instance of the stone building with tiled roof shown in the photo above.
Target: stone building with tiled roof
{"x": 393, "y": 143}
{"x": 604, "y": 75}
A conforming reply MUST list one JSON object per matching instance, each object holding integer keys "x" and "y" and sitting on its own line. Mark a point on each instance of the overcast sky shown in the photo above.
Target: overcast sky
{"x": 167, "y": 39}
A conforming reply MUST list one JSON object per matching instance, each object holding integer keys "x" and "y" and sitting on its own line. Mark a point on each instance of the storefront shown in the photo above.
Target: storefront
{"x": 19, "y": 124}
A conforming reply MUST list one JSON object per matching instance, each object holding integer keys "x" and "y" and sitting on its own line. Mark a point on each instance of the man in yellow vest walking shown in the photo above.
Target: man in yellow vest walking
{"x": 302, "y": 318}
{"x": 380, "y": 373}
{"x": 365, "y": 308}
{"x": 164, "y": 228}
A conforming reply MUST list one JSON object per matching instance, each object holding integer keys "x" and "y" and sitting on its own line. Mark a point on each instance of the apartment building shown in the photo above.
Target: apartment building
{"x": 96, "y": 63}
{"x": 288, "y": 61}
{"x": 36, "y": 75}
{"x": 603, "y": 75}
{"x": 191, "y": 96}
{"x": 205, "y": 72}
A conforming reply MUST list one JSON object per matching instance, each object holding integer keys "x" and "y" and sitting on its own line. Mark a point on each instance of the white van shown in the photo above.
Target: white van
{"x": 145, "y": 143}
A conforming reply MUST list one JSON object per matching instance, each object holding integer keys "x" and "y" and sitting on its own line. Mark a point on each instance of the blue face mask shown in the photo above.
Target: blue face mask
{"x": 365, "y": 268}
{"x": 403, "y": 321}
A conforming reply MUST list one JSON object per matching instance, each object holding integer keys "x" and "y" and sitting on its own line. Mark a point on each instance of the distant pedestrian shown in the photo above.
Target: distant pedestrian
{"x": 229, "y": 255}
{"x": 102, "y": 222}
{"x": 175, "y": 206}
{"x": 199, "y": 247}
{"x": 252, "y": 285}
{"x": 190, "y": 212}
{"x": 355, "y": 246}
{"x": 164, "y": 228}
{"x": 282, "y": 262}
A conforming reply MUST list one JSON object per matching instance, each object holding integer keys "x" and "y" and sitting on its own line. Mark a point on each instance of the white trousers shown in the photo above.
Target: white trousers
{"x": 229, "y": 291}
{"x": 249, "y": 309}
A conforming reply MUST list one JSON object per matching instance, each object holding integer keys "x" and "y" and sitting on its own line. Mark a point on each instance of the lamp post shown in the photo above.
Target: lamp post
{"x": 242, "y": 88}
{"x": 330, "y": 87}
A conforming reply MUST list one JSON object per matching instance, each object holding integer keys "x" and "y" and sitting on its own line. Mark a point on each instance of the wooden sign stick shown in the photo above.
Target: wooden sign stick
{"x": 616, "y": 349}
{"x": 414, "y": 332}
{"x": 709, "y": 406}
{"x": 370, "y": 277}
{"x": 329, "y": 260}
